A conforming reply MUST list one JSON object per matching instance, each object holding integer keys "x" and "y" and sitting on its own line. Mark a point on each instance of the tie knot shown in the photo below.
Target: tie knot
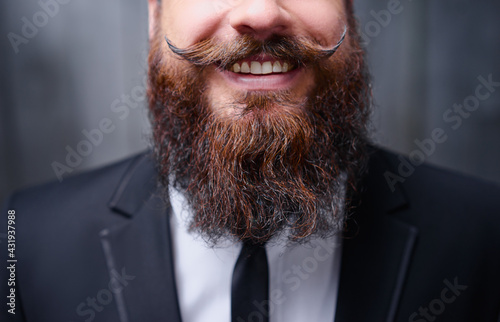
{"x": 250, "y": 247}
{"x": 251, "y": 243}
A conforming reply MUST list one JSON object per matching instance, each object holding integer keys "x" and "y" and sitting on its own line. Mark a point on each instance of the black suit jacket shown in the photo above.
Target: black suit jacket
{"x": 97, "y": 248}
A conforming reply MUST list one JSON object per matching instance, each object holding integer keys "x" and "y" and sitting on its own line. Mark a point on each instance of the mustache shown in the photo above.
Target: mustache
{"x": 296, "y": 50}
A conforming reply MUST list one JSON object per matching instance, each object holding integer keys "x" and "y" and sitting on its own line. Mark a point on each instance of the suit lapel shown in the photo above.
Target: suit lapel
{"x": 376, "y": 252}
{"x": 138, "y": 252}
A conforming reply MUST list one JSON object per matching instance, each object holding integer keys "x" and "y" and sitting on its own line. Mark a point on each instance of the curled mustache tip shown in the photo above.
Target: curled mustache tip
{"x": 332, "y": 51}
{"x": 183, "y": 53}
{"x": 168, "y": 43}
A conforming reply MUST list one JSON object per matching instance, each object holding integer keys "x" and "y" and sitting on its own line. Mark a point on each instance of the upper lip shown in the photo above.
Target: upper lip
{"x": 259, "y": 58}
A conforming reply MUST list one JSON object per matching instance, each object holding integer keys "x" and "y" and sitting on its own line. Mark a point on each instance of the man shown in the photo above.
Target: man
{"x": 263, "y": 200}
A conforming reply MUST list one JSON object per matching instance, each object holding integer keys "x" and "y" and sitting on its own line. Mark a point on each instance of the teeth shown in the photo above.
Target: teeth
{"x": 267, "y": 67}
{"x": 257, "y": 68}
{"x": 245, "y": 68}
{"x": 285, "y": 67}
{"x": 277, "y": 67}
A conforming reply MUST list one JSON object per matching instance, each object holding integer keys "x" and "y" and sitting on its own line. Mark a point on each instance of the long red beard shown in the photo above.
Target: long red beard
{"x": 283, "y": 165}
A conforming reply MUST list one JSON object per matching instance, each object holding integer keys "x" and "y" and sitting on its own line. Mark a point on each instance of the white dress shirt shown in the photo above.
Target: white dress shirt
{"x": 303, "y": 278}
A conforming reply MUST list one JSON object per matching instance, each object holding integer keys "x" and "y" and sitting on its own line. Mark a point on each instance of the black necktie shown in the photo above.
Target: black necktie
{"x": 250, "y": 285}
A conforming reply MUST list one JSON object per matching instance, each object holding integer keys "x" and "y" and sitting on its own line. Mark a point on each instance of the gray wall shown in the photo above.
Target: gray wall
{"x": 64, "y": 81}
{"x": 89, "y": 57}
{"x": 424, "y": 61}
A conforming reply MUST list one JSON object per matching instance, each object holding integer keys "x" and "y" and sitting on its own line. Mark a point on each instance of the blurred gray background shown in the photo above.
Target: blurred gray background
{"x": 66, "y": 68}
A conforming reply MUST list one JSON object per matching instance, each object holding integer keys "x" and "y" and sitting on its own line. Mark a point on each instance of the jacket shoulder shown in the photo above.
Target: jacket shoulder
{"x": 87, "y": 187}
{"x": 433, "y": 185}
{"x": 448, "y": 208}
{"x": 78, "y": 204}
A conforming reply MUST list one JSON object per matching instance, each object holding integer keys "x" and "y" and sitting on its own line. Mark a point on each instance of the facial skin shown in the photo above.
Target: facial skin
{"x": 258, "y": 155}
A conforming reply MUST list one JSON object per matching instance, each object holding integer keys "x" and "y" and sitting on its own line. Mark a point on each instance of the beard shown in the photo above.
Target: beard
{"x": 282, "y": 164}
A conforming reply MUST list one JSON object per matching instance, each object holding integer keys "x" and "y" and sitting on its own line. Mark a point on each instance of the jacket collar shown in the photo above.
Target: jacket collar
{"x": 135, "y": 187}
{"x": 140, "y": 248}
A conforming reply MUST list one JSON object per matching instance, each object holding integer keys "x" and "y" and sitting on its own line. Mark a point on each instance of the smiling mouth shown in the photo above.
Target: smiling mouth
{"x": 261, "y": 65}
{"x": 262, "y": 73}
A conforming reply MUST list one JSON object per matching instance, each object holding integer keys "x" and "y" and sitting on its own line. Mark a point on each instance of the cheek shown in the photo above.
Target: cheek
{"x": 189, "y": 21}
{"x": 323, "y": 20}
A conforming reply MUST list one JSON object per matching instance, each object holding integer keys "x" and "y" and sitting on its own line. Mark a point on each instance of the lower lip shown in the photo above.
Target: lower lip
{"x": 267, "y": 82}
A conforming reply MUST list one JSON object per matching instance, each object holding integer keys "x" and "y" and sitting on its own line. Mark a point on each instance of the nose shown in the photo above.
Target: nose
{"x": 260, "y": 18}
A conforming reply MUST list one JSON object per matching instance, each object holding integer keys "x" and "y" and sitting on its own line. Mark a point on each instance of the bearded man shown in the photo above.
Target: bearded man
{"x": 262, "y": 199}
